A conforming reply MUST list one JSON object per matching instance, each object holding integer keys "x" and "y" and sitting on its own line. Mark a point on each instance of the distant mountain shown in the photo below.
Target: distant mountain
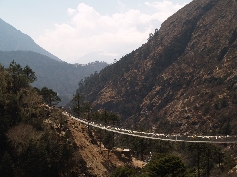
{"x": 183, "y": 80}
{"x": 100, "y": 56}
{"x": 12, "y": 39}
{"x": 59, "y": 76}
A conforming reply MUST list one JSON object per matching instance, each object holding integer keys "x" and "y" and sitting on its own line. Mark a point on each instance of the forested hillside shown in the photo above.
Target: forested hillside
{"x": 182, "y": 80}
{"x": 34, "y": 137}
{"x": 41, "y": 141}
{"x": 59, "y": 76}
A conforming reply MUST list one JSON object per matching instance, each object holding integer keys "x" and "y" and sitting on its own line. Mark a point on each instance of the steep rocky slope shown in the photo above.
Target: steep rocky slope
{"x": 182, "y": 80}
{"x": 95, "y": 155}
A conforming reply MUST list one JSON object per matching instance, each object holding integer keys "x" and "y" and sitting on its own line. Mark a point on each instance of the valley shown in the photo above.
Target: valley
{"x": 167, "y": 108}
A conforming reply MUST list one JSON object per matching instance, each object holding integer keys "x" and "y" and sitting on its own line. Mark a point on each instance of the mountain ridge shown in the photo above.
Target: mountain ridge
{"x": 12, "y": 39}
{"x": 169, "y": 82}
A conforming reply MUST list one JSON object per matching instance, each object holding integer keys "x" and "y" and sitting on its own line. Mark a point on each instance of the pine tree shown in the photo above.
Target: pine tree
{"x": 49, "y": 96}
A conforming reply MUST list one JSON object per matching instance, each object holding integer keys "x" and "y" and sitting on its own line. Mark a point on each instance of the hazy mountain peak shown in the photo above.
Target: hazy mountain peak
{"x": 12, "y": 39}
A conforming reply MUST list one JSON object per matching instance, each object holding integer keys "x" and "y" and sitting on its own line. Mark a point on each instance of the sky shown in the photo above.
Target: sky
{"x": 83, "y": 31}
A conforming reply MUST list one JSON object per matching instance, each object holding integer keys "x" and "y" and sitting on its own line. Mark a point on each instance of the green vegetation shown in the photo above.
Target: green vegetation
{"x": 49, "y": 96}
{"x": 33, "y": 136}
{"x": 124, "y": 172}
{"x": 165, "y": 165}
{"x": 180, "y": 159}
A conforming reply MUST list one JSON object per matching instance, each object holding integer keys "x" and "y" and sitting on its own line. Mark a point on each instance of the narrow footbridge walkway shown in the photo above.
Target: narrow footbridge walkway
{"x": 164, "y": 137}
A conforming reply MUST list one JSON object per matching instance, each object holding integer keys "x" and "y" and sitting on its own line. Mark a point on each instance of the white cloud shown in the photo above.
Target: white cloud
{"x": 71, "y": 11}
{"x": 164, "y": 9}
{"x": 115, "y": 35}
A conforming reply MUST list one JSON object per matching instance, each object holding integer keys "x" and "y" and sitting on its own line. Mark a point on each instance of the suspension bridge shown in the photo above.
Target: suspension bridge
{"x": 219, "y": 139}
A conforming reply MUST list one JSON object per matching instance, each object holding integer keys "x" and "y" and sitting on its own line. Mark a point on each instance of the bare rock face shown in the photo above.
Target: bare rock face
{"x": 184, "y": 79}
